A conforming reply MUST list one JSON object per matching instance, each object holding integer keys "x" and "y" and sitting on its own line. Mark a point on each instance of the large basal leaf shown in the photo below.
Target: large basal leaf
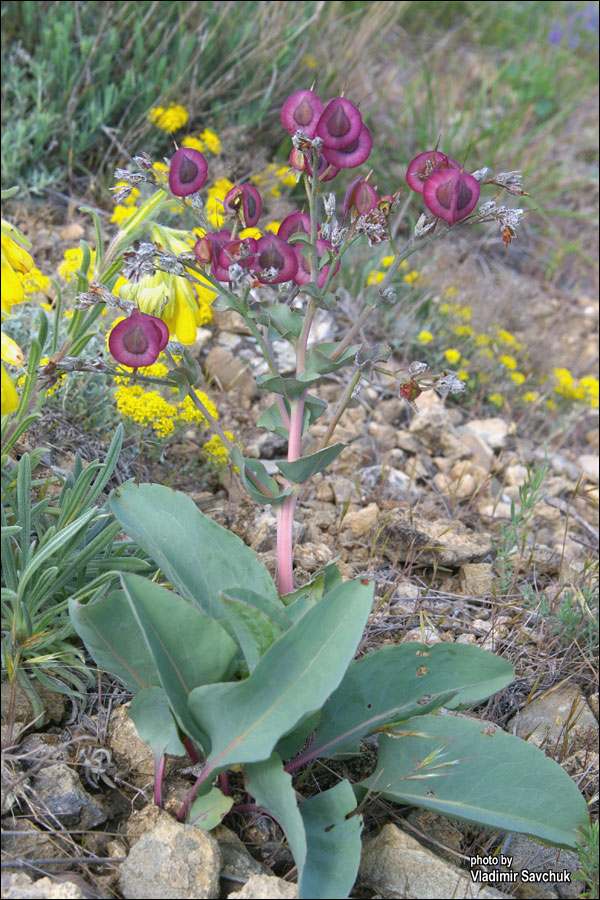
{"x": 473, "y": 771}
{"x": 295, "y": 676}
{"x": 150, "y": 713}
{"x": 111, "y": 633}
{"x": 188, "y": 648}
{"x": 333, "y": 844}
{"x": 395, "y": 683}
{"x": 302, "y": 469}
{"x": 199, "y": 557}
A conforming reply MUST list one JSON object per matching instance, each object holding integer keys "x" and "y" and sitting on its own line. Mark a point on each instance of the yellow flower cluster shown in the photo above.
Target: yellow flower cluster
{"x": 149, "y": 407}
{"x": 216, "y": 451}
{"x": 72, "y": 263}
{"x": 465, "y": 313}
{"x": 273, "y": 178}
{"x": 207, "y": 142}
{"x": 16, "y": 262}
{"x": 376, "y": 276}
{"x": 214, "y": 203}
{"x": 34, "y": 282}
{"x": 126, "y": 209}
{"x": 170, "y": 119}
{"x": 583, "y": 389}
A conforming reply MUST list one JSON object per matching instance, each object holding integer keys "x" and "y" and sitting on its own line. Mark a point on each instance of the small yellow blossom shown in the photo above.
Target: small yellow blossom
{"x": 272, "y": 226}
{"x": 160, "y": 167}
{"x": 463, "y": 374}
{"x": 508, "y": 362}
{"x": 518, "y": 377}
{"x": 34, "y": 282}
{"x": 170, "y": 119}
{"x": 286, "y": 176}
{"x": 450, "y": 293}
{"x": 15, "y": 260}
{"x": 216, "y": 451}
{"x": 505, "y": 336}
{"x": 411, "y": 277}
{"x": 214, "y": 204}
{"x": 465, "y": 313}
{"x": 530, "y": 397}
{"x": 193, "y": 143}
{"x": 121, "y": 213}
{"x": 446, "y": 308}
{"x": 482, "y": 340}
{"x": 452, "y": 356}
{"x": 250, "y": 233}
{"x": 463, "y": 331}
{"x": 425, "y": 337}
{"x": 590, "y": 386}
{"x": 375, "y": 277}
{"x": 496, "y": 399}
{"x": 210, "y": 141}
{"x": 72, "y": 263}
{"x": 388, "y": 260}
{"x": 309, "y": 61}
{"x": 404, "y": 266}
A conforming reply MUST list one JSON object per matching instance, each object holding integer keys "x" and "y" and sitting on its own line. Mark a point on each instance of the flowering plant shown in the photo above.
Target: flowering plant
{"x": 227, "y": 664}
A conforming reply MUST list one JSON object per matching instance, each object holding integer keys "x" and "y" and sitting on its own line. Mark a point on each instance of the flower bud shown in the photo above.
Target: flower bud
{"x": 451, "y": 194}
{"x": 138, "y": 340}
{"x": 188, "y": 172}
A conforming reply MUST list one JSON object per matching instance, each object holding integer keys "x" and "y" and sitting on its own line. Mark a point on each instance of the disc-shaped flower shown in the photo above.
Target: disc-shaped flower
{"x": 187, "y": 172}
{"x": 138, "y": 340}
{"x": 423, "y": 165}
{"x": 301, "y": 112}
{"x": 244, "y": 200}
{"x": 275, "y": 260}
{"x": 451, "y": 194}
{"x": 340, "y": 123}
{"x": 352, "y": 154}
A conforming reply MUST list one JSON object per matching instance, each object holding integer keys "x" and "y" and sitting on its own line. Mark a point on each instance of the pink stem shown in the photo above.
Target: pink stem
{"x": 159, "y": 771}
{"x": 285, "y": 518}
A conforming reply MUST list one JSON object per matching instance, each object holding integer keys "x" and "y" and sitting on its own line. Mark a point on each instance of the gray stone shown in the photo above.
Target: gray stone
{"x": 494, "y": 431}
{"x": 527, "y": 854}
{"x": 590, "y": 463}
{"x": 396, "y": 865}
{"x": 236, "y": 862}
{"x": 433, "y": 428}
{"x": 387, "y": 483}
{"x": 266, "y": 887}
{"x": 172, "y": 862}
{"x": 59, "y": 792}
{"x": 19, "y": 886}
{"x": 559, "y": 719}
{"x": 477, "y": 579}
{"x": 444, "y": 541}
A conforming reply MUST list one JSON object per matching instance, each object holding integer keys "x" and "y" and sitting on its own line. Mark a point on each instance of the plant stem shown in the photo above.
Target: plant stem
{"x": 339, "y": 410}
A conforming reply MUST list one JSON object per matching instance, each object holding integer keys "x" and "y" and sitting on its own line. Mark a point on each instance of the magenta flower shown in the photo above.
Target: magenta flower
{"x": 340, "y": 124}
{"x": 352, "y": 154}
{"x": 246, "y": 199}
{"x": 302, "y": 276}
{"x": 301, "y": 112}
{"x": 203, "y": 250}
{"x": 275, "y": 260}
{"x": 138, "y": 340}
{"x": 451, "y": 194}
{"x": 423, "y": 165}
{"x": 187, "y": 172}
{"x": 242, "y": 252}
{"x": 361, "y": 195}
{"x": 294, "y": 223}
{"x": 217, "y": 239}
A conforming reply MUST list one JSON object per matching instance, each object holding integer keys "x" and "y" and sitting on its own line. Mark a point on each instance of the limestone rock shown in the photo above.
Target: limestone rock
{"x": 19, "y": 886}
{"x": 444, "y": 541}
{"x": 590, "y": 464}
{"x": 130, "y": 753}
{"x": 362, "y": 521}
{"x": 476, "y": 579}
{"x": 557, "y": 718}
{"x": 396, "y": 865}
{"x": 172, "y": 862}
{"x": 387, "y": 483}
{"x": 229, "y": 372}
{"x": 266, "y": 887}
{"x": 434, "y": 429}
{"x": 494, "y": 431}
{"x": 59, "y": 791}
{"x": 236, "y": 862}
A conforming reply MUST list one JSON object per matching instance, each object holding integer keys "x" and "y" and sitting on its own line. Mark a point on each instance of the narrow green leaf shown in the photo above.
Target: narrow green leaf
{"x": 150, "y": 713}
{"x": 272, "y": 789}
{"x": 254, "y": 630}
{"x": 188, "y": 648}
{"x": 294, "y": 677}
{"x": 307, "y": 466}
{"x": 53, "y": 545}
{"x": 333, "y": 844}
{"x": 199, "y": 557}
{"x": 395, "y": 683}
{"x": 475, "y": 772}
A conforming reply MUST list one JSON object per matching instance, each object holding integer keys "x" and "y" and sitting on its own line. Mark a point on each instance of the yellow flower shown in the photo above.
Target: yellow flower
{"x": 508, "y": 361}
{"x": 309, "y": 61}
{"x": 121, "y": 213}
{"x": 496, "y": 399}
{"x": 411, "y": 277}
{"x": 517, "y": 377}
{"x": 482, "y": 340}
{"x": 425, "y": 337}
{"x": 388, "y": 260}
{"x": 250, "y": 233}
{"x": 15, "y": 260}
{"x": 214, "y": 204}
{"x": 272, "y": 226}
{"x": 375, "y": 277}
{"x": 286, "y": 176}
{"x": 452, "y": 356}
{"x": 530, "y": 397}
{"x": 450, "y": 293}
{"x": 505, "y": 336}
{"x": 445, "y": 308}
{"x": 193, "y": 143}
{"x": 12, "y": 354}
{"x": 72, "y": 263}
{"x": 216, "y": 451}
{"x": 463, "y": 331}
{"x": 211, "y": 141}
{"x": 589, "y": 385}
{"x": 404, "y": 266}
{"x": 463, "y": 375}
{"x": 465, "y": 313}
{"x": 170, "y": 119}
